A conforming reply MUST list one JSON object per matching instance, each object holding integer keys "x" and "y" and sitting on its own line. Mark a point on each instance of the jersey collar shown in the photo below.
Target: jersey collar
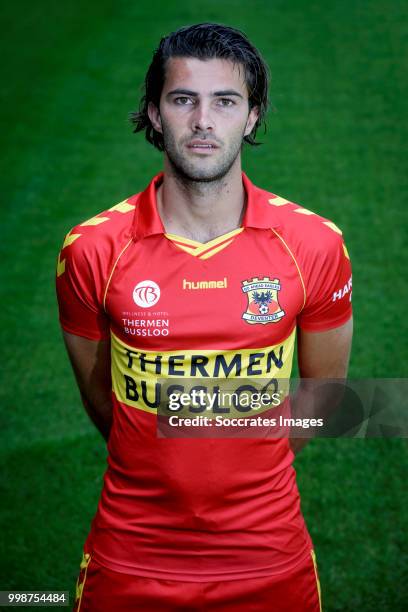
{"x": 147, "y": 220}
{"x": 259, "y": 213}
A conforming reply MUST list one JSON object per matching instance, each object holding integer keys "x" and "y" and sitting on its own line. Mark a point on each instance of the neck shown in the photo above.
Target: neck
{"x": 201, "y": 210}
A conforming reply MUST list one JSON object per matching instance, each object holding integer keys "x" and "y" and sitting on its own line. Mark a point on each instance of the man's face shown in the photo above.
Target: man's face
{"x": 203, "y": 116}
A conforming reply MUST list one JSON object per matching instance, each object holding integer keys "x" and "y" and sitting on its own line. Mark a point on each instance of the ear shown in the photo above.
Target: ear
{"x": 154, "y": 116}
{"x": 252, "y": 119}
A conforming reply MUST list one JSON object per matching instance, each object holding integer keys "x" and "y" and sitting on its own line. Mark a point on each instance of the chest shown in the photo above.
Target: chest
{"x": 244, "y": 295}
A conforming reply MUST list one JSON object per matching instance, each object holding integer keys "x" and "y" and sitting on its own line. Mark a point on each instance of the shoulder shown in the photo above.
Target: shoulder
{"x": 103, "y": 234}
{"x": 304, "y": 230}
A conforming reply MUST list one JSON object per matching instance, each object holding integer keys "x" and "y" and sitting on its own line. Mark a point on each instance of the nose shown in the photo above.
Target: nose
{"x": 202, "y": 119}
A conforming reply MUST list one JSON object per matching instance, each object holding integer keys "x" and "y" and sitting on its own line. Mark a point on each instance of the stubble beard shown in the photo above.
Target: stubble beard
{"x": 195, "y": 172}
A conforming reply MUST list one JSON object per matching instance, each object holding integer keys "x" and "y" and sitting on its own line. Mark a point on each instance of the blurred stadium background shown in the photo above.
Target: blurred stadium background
{"x": 336, "y": 143}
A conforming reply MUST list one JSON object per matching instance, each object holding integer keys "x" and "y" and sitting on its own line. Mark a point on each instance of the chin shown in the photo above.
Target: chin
{"x": 204, "y": 177}
{"x": 201, "y": 174}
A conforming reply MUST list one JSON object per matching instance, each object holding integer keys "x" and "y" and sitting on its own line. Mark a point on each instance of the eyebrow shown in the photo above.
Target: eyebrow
{"x": 188, "y": 92}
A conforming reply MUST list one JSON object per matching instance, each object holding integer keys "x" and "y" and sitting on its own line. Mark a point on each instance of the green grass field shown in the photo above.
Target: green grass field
{"x": 336, "y": 143}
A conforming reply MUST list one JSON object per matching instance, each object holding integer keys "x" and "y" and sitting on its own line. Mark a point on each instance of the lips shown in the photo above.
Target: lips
{"x": 202, "y": 145}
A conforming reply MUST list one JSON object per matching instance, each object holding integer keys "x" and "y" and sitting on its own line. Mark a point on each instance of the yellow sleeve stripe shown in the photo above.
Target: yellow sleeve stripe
{"x": 95, "y": 221}
{"x": 333, "y": 227}
{"x": 304, "y": 211}
{"x": 60, "y": 265}
{"x": 123, "y": 207}
{"x": 69, "y": 239}
{"x": 345, "y": 251}
{"x": 278, "y": 201}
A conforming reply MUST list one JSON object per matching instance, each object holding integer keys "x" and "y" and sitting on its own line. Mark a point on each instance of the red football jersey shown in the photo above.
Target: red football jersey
{"x": 188, "y": 508}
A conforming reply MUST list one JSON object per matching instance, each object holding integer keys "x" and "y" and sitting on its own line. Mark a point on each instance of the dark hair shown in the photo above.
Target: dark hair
{"x": 204, "y": 41}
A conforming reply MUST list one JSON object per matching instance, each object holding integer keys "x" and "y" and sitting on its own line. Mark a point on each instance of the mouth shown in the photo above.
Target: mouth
{"x": 202, "y": 146}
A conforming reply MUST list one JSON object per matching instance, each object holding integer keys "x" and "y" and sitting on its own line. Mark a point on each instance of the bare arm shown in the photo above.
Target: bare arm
{"x": 321, "y": 355}
{"x": 90, "y": 361}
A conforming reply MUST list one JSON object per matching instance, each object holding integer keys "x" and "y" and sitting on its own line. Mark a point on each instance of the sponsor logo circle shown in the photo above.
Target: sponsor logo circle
{"x": 146, "y": 293}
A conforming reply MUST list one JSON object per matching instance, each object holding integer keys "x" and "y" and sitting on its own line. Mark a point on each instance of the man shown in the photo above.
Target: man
{"x": 201, "y": 275}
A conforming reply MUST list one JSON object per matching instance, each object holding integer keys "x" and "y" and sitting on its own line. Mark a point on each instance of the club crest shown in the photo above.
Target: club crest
{"x": 263, "y": 302}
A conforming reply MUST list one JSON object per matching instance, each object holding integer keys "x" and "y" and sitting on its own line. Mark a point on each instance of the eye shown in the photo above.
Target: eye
{"x": 226, "y": 102}
{"x": 183, "y": 100}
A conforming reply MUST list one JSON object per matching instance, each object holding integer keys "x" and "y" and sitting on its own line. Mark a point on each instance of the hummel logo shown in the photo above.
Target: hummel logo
{"x": 212, "y": 284}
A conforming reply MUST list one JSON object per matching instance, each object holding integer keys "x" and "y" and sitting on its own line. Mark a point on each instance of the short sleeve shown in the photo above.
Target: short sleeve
{"x": 328, "y": 285}
{"x": 80, "y": 290}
